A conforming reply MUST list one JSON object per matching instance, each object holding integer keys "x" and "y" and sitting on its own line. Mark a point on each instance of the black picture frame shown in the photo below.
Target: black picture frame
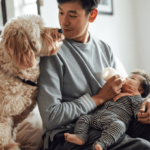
{"x": 105, "y": 7}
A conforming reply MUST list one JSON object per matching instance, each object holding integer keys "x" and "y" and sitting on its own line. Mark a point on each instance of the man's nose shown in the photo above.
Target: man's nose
{"x": 65, "y": 21}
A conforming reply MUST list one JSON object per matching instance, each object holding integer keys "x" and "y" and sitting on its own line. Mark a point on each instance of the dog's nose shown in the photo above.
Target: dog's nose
{"x": 60, "y": 30}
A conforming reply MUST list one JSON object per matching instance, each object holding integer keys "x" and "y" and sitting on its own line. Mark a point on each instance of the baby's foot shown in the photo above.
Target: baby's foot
{"x": 98, "y": 147}
{"x": 73, "y": 139}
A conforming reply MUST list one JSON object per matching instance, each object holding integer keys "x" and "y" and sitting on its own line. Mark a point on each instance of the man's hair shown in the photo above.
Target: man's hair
{"x": 145, "y": 83}
{"x": 87, "y": 5}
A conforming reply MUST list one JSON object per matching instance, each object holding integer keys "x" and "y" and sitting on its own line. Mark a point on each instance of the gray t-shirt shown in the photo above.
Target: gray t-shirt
{"x": 67, "y": 82}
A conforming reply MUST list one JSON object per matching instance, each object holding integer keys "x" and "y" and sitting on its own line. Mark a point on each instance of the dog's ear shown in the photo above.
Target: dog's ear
{"x": 51, "y": 38}
{"x": 20, "y": 50}
{"x": 48, "y": 39}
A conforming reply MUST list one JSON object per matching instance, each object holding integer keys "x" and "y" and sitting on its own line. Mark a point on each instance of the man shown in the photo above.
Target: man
{"x": 70, "y": 83}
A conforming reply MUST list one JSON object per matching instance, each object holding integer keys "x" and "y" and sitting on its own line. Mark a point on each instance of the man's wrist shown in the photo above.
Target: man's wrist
{"x": 98, "y": 101}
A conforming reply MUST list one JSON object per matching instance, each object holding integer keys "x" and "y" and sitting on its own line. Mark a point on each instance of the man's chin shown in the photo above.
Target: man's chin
{"x": 68, "y": 37}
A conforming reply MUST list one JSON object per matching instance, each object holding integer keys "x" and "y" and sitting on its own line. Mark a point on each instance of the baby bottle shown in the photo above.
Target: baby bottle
{"x": 109, "y": 72}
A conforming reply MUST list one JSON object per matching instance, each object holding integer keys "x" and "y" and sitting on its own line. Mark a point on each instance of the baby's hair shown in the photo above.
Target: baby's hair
{"x": 145, "y": 83}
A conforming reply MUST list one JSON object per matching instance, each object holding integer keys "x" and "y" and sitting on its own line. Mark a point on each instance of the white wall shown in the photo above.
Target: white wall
{"x": 126, "y": 31}
{"x": 119, "y": 31}
{"x": 49, "y": 13}
{"x": 142, "y": 10}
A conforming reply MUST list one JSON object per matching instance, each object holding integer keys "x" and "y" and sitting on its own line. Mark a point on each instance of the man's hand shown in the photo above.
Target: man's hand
{"x": 144, "y": 114}
{"x": 110, "y": 89}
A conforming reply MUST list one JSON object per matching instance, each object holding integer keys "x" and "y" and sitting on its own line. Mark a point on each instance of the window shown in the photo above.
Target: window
{"x": 14, "y": 8}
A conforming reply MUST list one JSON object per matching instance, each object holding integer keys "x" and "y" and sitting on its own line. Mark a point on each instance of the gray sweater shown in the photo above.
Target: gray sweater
{"x": 67, "y": 82}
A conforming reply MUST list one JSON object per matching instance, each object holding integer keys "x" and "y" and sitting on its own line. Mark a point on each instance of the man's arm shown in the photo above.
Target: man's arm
{"x": 54, "y": 112}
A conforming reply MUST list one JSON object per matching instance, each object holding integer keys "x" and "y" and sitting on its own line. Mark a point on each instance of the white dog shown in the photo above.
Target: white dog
{"x": 23, "y": 41}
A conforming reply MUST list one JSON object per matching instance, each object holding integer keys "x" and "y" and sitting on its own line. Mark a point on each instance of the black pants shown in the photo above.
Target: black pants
{"x": 135, "y": 140}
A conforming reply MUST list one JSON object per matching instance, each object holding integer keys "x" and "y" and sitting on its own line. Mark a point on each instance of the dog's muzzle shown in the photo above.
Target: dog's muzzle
{"x": 60, "y": 31}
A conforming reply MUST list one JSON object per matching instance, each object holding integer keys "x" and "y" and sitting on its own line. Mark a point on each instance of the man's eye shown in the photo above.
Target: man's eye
{"x": 60, "y": 13}
{"x": 73, "y": 16}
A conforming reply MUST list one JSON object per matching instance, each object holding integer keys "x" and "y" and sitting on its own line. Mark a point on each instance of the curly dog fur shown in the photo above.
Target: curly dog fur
{"x": 23, "y": 41}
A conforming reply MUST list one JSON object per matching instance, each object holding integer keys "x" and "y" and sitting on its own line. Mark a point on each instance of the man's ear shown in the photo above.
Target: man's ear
{"x": 93, "y": 15}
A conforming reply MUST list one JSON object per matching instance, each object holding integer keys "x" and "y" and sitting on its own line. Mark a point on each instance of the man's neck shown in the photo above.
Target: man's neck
{"x": 87, "y": 38}
{"x": 83, "y": 39}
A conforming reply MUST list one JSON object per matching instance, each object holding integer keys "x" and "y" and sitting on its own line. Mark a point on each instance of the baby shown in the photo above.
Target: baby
{"x": 114, "y": 117}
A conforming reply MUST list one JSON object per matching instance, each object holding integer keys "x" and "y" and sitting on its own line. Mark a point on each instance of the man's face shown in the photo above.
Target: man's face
{"x": 73, "y": 20}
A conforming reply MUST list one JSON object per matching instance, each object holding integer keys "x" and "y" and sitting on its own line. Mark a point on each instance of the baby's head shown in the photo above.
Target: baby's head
{"x": 141, "y": 81}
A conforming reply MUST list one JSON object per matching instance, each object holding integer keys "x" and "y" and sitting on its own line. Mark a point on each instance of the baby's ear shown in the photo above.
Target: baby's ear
{"x": 19, "y": 48}
{"x": 141, "y": 90}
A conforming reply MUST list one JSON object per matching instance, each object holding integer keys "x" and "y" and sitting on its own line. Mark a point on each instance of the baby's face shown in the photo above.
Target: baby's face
{"x": 134, "y": 80}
